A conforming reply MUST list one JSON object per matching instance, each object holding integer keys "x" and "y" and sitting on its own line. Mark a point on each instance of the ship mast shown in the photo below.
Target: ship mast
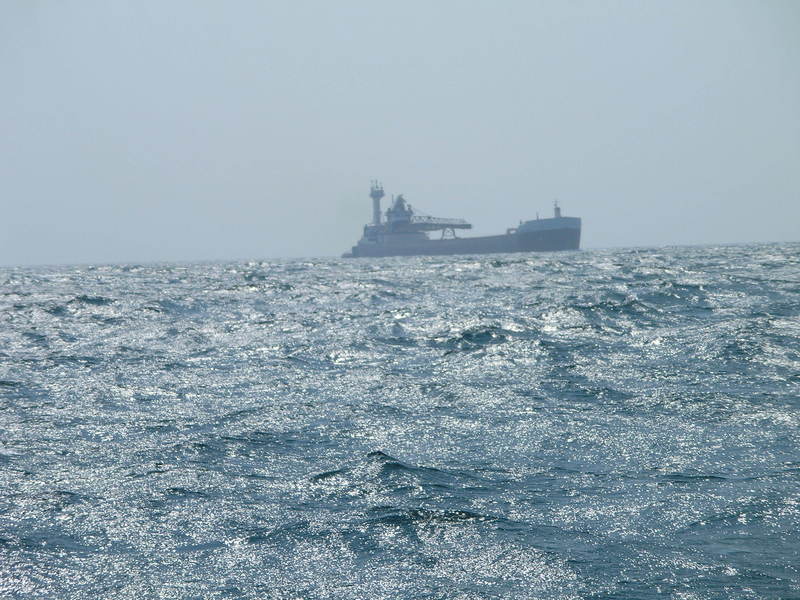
{"x": 376, "y": 193}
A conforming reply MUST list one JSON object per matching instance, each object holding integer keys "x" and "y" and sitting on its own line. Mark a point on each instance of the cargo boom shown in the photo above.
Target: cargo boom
{"x": 405, "y": 233}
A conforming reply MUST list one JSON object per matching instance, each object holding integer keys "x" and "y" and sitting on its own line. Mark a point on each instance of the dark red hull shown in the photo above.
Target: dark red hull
{"x": 539, "y": 241}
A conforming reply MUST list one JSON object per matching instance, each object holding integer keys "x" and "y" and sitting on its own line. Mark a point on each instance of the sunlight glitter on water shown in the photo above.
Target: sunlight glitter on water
{"x": 605, "y": 424}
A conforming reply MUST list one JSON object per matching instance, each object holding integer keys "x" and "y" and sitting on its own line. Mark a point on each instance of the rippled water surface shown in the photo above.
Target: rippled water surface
{"x": 602, "y": 424}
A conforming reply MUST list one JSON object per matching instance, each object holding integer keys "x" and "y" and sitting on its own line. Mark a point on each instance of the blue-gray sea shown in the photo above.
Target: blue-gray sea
{"x": 596, "y": 424}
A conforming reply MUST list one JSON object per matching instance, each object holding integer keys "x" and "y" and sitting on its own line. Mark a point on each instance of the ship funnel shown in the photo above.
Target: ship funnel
{"x": 376, "y": 193}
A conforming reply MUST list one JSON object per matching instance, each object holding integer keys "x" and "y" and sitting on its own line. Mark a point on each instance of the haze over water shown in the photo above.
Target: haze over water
{"x": 199, "y": 130}
{"x": 598, "y": 424}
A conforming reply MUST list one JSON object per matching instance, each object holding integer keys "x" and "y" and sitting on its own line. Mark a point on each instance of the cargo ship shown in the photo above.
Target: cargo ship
{"x": 405, "y": 232}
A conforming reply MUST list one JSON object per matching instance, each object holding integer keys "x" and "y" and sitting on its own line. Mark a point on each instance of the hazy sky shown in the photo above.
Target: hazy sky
{"x": 179, "y": 130}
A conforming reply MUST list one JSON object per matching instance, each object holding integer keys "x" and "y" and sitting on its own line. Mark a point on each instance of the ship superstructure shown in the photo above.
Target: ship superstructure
{"x": 404, "y": 232}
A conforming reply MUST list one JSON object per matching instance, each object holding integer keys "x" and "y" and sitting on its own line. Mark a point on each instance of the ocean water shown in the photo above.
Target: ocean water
{"x": 597, "y": 424}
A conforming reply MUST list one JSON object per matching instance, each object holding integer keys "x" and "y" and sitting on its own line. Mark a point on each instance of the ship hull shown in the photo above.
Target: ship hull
{"x": 534, "y": 241}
